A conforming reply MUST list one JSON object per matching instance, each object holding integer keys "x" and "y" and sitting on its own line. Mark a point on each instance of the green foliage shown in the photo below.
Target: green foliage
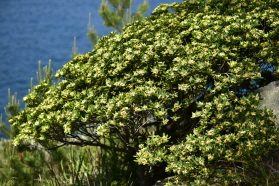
{"x": 91, "y": 166}
{"x": 45, "y": 73}
{"x": 24, "y": 164}
{"x": 12, "y": 109}
{"x": 181, "y": 79}
{"x": 92, "y": 34}
{"x": 75, "y": 166}
{"x": 19, "y": 168}
{"x": 117, "y": 14}
{"x": 228, "y": 138}
{"x": 75, "y": 49}
{"x": 121, "y": 13}
{"x": 13, "y": 106}
{"x": 74, "y": 169}
{"x": 27, "y": 164}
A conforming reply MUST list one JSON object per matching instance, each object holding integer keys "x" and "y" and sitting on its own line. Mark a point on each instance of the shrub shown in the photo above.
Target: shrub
{"x": 184, "y": 76}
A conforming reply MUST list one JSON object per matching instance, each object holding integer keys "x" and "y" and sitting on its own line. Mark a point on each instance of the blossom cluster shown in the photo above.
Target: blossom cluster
{"x": 229, "y": 131}
{"x": 183, "y": 65}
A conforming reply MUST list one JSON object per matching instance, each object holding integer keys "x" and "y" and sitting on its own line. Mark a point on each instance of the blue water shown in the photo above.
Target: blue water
{"x": 39, "y": 30}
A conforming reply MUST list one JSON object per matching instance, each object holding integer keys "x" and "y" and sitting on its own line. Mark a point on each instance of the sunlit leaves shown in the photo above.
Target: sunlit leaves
{"x": 185, "y": 65}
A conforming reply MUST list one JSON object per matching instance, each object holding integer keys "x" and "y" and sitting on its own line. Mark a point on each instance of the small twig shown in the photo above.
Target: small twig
{"x": 272, "y": 168}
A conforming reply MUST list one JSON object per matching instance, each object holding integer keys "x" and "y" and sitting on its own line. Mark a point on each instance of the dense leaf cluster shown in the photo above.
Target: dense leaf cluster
{"x": 186, "y": 71}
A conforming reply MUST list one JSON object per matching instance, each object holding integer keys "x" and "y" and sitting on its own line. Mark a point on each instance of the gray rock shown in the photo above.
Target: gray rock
{"x": 269, "y": 96}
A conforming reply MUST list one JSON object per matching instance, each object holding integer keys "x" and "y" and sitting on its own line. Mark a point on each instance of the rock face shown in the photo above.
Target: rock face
{"x": 269, "y": 96}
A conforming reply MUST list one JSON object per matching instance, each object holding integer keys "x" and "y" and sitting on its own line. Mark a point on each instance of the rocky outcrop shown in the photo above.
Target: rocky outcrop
{"x": 269, "y": 96}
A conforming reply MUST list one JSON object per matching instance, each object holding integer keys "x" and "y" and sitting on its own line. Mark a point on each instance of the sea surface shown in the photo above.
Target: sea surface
{"x": 40, "y": 30}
